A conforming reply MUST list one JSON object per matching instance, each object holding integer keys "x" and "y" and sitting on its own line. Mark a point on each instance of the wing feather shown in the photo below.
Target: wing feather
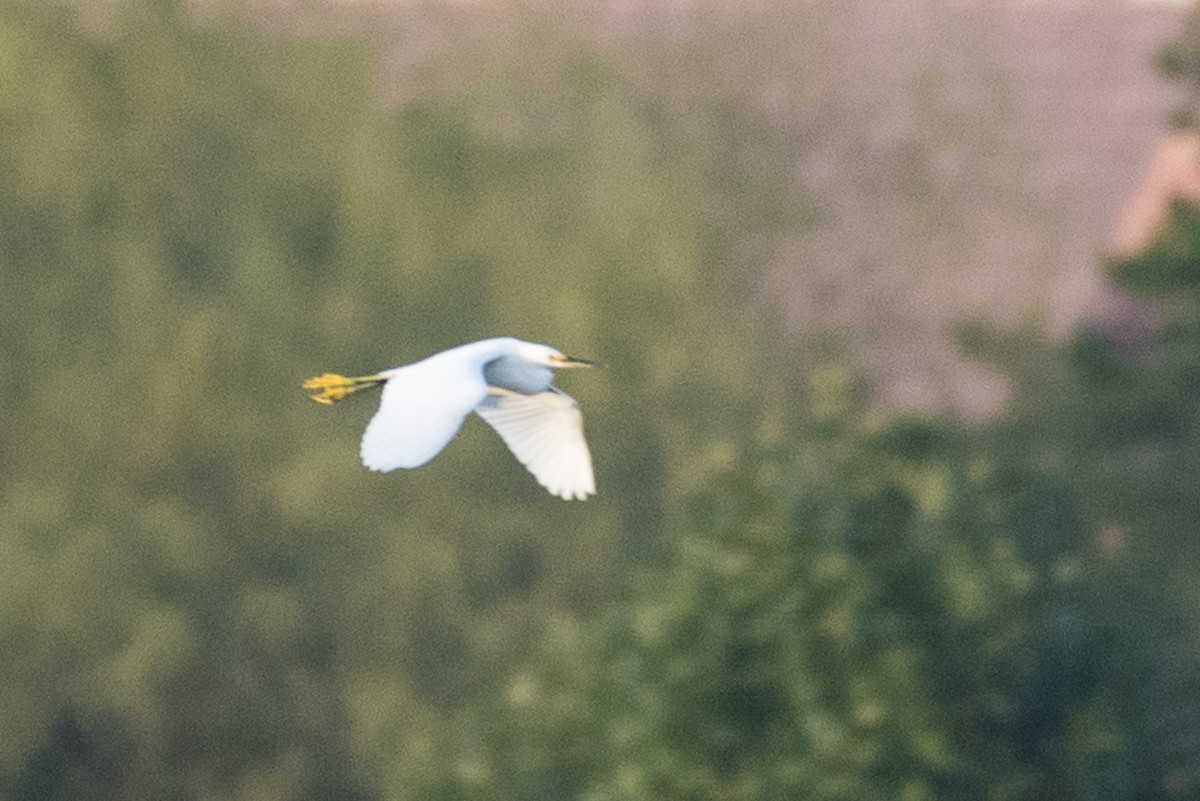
{"x": 422, "y": 407}
{"x": 545, "y": 432}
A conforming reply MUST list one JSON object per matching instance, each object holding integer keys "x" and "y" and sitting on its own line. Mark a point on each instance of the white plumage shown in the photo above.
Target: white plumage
{"x": 507, "y": 381}
{"x": 545, "y": 433}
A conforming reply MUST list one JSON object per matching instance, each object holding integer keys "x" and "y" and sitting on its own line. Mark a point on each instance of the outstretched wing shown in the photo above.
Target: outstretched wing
{"x": 422, "y": 407}
{"x": 545, "y": 433}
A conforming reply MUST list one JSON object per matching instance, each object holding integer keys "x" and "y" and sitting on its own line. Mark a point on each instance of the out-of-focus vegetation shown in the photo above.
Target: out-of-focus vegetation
{"x": 776, "y": 594}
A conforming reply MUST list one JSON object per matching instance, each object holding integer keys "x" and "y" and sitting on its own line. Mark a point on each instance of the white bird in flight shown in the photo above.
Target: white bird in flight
{"x": 506, "y": 381}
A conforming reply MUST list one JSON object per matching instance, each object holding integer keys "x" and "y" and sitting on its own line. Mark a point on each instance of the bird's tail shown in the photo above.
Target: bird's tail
{"x": 333, "y": 387}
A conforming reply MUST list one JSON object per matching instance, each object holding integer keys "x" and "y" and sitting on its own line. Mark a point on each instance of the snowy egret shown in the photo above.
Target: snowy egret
{"x": 506, "y": 381}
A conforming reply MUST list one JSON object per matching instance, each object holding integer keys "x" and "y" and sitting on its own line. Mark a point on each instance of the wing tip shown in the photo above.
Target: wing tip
{"x": 573, "y": 490}
{"x": 384, "y": 457}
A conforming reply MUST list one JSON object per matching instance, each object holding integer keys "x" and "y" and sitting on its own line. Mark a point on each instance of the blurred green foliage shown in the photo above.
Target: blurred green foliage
{"x": 1169, "y": 263}
{"x": 776, "y": 594}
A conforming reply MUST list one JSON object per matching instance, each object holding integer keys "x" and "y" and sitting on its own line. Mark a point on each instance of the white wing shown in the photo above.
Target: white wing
{"x": 422, "y": 407}
{"x": 545, "y": 433}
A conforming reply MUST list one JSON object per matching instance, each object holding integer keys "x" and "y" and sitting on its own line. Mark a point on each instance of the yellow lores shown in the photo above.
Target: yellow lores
{"x": 506, "y": 381}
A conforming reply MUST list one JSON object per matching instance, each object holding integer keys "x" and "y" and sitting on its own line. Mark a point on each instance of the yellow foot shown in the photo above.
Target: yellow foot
{"x": 333, "y": 387}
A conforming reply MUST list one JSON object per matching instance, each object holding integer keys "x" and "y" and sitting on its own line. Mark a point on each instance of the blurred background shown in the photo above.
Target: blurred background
{"x": 897, "y": 446}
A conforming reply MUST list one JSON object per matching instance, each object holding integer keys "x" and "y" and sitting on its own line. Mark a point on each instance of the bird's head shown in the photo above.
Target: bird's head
{"x": 550, "y": 357}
